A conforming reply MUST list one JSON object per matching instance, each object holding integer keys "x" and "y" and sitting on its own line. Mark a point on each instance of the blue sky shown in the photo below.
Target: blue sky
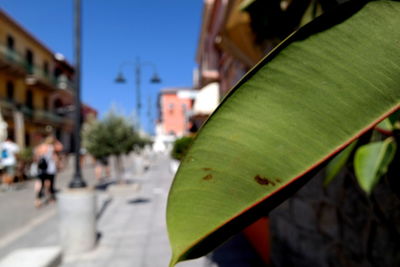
{"x": 164, "y": 32}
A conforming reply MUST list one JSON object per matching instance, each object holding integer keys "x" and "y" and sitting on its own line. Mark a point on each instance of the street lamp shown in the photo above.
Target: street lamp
{"x": 155, "y": 78}
{"x": 77, "y": 206}
{"x": 77, "y": 180}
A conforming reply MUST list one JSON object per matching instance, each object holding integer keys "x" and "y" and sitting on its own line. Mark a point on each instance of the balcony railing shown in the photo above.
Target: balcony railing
{"x": 28, "y": 111}
{"x": 63, "y": 83}
{"x": 9, "y": 104}
{"x": 33, "y": 72}
{"x": 38, "y": 115}
{"x": 44, "y": 115}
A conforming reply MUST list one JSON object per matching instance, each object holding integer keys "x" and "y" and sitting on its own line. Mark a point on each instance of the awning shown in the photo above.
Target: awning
{"x": 207, "y": 99}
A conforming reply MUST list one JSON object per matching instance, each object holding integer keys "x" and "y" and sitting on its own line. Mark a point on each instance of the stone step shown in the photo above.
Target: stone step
{"x": 33, "y": 257}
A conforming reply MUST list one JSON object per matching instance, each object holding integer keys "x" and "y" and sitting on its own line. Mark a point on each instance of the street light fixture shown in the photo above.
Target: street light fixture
{"x": 155, "y": 78}
{"x": 120, "y": 78}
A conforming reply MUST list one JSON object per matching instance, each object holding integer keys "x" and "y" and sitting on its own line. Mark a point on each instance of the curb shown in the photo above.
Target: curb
{"x": 33, "y": 257}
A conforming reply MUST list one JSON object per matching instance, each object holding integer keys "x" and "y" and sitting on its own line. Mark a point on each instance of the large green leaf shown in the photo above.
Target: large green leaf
{"x": 371, "y": 161}
{"x": 322, "y": 88}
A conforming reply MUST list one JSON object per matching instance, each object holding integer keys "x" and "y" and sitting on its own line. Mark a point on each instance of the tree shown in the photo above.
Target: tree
{"x": 114, "y": 135}
{"x": 180, "y": 147}
{"x": 328, "y": 84}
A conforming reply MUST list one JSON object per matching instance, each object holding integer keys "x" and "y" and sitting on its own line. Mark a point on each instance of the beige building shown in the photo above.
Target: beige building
{"x": 36, "y": 92}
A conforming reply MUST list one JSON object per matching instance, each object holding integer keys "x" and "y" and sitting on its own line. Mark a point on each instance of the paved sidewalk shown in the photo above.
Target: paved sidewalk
{"x": 132, "y": 226}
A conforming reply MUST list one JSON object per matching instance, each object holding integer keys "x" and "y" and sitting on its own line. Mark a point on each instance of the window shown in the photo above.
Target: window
{"x": 29, "y": 99}
{"x": 46, "y": 103}
{"x": 10, "y": 42}
{"x": 57, "y": 106}
{"x": 171, "y": 107}
{"x": 10, "y": 48}
{"x": 58, "y": 133}
{"x": 29, "y": 61}
{"x": 57, "y": 72}
{"x": 10, "y": 133}
{"x": 46, "y": 68}
{"x": 10, "y": 90}
{"x": 27, "y": 139}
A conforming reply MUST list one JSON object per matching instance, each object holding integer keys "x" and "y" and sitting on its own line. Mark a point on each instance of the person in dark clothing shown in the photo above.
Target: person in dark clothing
{"x": 47, "y": 160}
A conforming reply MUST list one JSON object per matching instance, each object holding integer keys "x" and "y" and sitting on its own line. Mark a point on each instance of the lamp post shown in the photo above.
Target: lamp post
{"x": 77, "y": 180}
{"x": 138, "y": 69}
{"x": 77, "y": 205}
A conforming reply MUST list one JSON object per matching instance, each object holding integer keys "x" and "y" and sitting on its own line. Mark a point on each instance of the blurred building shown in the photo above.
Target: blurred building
{"x": 36, "y": 87}
{"x": 175, "y": 108}
{"x": 227, "y": 49}
{"x": 236, "y": 34}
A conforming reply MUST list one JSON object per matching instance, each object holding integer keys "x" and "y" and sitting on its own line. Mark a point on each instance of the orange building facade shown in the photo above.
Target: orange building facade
{"x": 175, "y": 106}
{"x": 36, "y": 88}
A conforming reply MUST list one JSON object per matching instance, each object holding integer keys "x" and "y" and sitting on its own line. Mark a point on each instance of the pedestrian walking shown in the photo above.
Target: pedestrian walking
{"x": 47, "y": 159}
{"x": 8, "y": 149}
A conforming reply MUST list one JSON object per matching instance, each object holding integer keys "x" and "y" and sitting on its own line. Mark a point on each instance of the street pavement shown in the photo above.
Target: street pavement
{"x": 20, "y": 220}
{"x": 132, "y": 226}
{"x": 131, "y": 221}
{"x": 18, "y": 213}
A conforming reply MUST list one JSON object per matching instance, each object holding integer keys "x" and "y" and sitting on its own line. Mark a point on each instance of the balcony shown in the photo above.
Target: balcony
{"x": 8, "y": 104}
{"x": 50, "y": 117}
{"x": 11, "y": 61}
{"x": 27, "y": 111}
{"x": 36, "y": 115}
{"x": 63, "y": 83}
{"x": 7, "y": 107}
{"x": 15, "y": 63}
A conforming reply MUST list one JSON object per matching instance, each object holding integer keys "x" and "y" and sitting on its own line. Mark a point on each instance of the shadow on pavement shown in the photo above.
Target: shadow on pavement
{"x": 103, "y": 207}
{"x": 98, "y": 237}
{"x": 138, "y": 201}
{"x": 102, "y": 186}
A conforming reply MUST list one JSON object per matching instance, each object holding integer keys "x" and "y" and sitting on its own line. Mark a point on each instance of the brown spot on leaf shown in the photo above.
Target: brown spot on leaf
{"x": 208, "y": 177}
{"x": 278, "y": 180}
{"x": 263, "y": 180}
{"x": 207, "y": 169}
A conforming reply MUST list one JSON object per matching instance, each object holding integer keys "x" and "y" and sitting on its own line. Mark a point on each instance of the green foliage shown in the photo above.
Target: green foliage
{"x": 371, "y": 162}
{"x": 337, "y": 163}
{"x": 321, "y": 89}
{"x": 141, "y": 142}
{"x": 181, "y": 146}
{"x": 26, "y": 154}
{"x": 114, "y": 135}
